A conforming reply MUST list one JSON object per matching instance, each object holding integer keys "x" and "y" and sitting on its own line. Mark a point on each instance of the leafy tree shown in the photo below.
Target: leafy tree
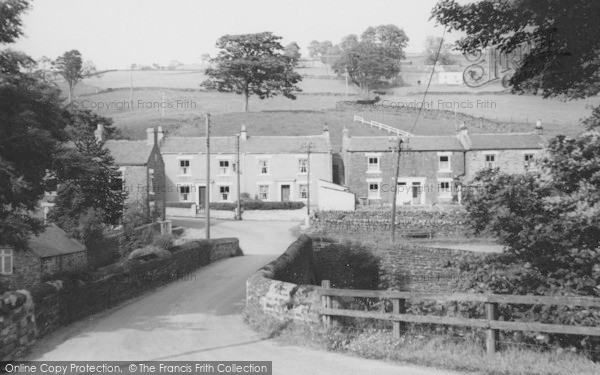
{"x": 253, "y": 64}
{"x": 70, "y": 66}
{"x": 292, "y": 50}
{"x": 86, "y": 178}
{"x": 432, "y": 45}
{"x": 83, "y": 122}
{"x": 563, "y": 37}
{"x": 373, "y": 59}
{"x": 32, "y": 123}
{"x": 316, "y": 48}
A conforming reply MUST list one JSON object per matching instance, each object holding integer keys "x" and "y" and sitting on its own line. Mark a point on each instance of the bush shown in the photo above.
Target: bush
{"x": 149, "y": 252}
{"x": 257, "y": 205}
{"x": 178, "y": 204}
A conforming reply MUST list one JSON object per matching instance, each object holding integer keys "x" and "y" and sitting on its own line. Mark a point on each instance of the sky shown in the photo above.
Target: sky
{"x": 117, "y": 33}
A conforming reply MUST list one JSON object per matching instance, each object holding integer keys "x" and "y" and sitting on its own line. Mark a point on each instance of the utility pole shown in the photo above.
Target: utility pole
{"x": 346, "y": 83}
{"x": 163, "y": 105}
{"x": 207, "y": 190}
{"x": 398, "y": 148}
{"x": 308, "y": 146}
{"x": 237, "y": 170}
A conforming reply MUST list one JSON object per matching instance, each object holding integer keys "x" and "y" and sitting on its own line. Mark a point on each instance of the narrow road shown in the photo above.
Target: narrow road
{"x": 200, "y": 319}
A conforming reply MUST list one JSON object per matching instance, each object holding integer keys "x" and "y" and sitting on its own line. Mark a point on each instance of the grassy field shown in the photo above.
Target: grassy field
{"x": 109, "y": 96}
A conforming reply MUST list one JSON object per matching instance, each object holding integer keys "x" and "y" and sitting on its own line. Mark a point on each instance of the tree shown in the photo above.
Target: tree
{"x": 373, "y": 59}
{"x": 32, "y": 123}
{"x": 562, "y": 36}
{"x": 253, "y": 64}
{"x": 432, "y": 46}
{"x": 88, "y": 179}
{"x": 292, "y": 51}
{"x": 83, "y": 123}
{"x": 70, "y": 67}
{"x": 316, "y": 48}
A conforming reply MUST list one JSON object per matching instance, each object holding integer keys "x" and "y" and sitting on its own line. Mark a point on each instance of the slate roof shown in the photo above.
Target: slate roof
{"x": 414, "y": 143}
{"x": 252, "y": 145}
{"x": 52, "y": 242}
{"x": 506, "y": 141}
{"x": 129, "y": 152}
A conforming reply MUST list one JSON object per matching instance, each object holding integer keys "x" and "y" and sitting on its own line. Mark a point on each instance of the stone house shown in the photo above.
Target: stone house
{"x": 142, "y": 171}
{"x": 44, "y": 255}
{"x": 430, "y": 166}
{"x": 272, "y": 168}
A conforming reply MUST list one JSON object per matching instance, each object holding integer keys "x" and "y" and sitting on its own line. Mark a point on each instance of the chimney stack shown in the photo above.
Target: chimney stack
{"x": 99, "y": 133}
{"x": 539, "y": 129}
{"x": 326, "y": 131}
{"x": 463, "y": 136}
{"x": 150, "y": 134}
{"x": 243, "y": 134}
{"x": 160, "y": 135}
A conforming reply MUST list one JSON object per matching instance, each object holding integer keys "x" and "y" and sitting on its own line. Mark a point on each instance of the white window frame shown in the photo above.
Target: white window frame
{"x": 486, "y": 162}
{"x": 303, "y": 163}
{"x": 267, "y": 166}
{"x": 373, "y": 167}
{"x": 371, "y": 195}
{"x": 7, "y": 261}
{"x": 447, "y": 193}
{"x": 268, "y": 196}
{"x": 449, "y": 162}
{"x": 183, "y": 198}
{"x": 150, "y": 181}
{"x": 221, "y": 193}
{"x": 301, "y": 186}
{"x": 185, "y": 170}
{"x": 224, "y": 171}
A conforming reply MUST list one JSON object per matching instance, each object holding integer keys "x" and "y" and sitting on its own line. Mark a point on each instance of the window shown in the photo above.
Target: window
{"x": 184, "y": 166}
{"x": 224, "y": 193}
{"x": 302, "y": 165}
{"x": 528, "y": 158}
{"x": 263, "y": 166}
{"x": 490, "y": 161}
{"x": 6, "y": 261}
{"x": 263, "y": 192}
{"x": 445, "y": 190}
{"x": 444, "y": 163}
{"x": 373, "y": 164}
{"x": 303, "y": 191}
{"x": 374, "y": 190}
{"x": 224, "y": 167}
{"x": 184, "y": 193}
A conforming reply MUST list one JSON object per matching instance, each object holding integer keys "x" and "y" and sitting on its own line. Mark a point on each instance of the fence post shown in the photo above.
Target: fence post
{"x": 326, "y": 302}
{"x": 399, "y": 307}
{"x": 491, "y": 335}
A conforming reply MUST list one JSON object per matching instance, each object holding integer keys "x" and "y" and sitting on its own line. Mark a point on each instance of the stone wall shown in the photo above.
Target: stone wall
{"x": 442, "y": 220}
{"x": 401, "y": 266}
{"x": 64, "y": 301}
{"x": 26, "y": 271}
{"x": 280, "y": 288}
{"x": 286, "y": 287}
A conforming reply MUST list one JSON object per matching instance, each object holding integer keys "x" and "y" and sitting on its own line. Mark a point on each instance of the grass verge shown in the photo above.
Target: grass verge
{"x": 438, "y": 351}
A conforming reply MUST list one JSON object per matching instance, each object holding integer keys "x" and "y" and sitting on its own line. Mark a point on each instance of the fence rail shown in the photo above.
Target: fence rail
{"x": 491, "y": 323}
{"x": 380, "y": 126}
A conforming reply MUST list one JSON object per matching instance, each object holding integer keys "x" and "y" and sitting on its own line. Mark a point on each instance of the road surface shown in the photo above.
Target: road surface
{"x": 200, "y": 319}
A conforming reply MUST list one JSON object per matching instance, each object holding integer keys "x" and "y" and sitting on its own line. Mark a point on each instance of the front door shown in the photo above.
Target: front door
{"x": 285, "y": 193}
{"x": 416, "y": 193}
{"x": 201, "y": 198}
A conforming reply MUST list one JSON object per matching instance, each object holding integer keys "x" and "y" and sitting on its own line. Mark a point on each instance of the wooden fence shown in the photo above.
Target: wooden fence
{"x": 490, "y": 323}
{"x": 380, "y": 126}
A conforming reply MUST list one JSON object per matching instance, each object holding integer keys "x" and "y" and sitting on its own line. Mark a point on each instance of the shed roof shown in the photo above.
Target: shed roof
{"x": 53, "y": 242}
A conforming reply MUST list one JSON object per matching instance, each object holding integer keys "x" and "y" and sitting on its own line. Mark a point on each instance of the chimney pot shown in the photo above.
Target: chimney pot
{"x": 243, "y": 133}
{"x": 539, "y": 129}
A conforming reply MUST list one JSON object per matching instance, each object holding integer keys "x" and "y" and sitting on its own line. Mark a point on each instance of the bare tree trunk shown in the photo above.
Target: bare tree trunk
{"x": 70, "y": 94}
{"x": 246, "y": 97}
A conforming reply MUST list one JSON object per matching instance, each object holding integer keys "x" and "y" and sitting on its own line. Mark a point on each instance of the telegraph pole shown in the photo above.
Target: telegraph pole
{"x": 398, "y": 148}
{"x": 131, "y": 85}
{"x": 238, "y": 167}
{"x": 308, "y": 146}
{"x": 207, "y": 190}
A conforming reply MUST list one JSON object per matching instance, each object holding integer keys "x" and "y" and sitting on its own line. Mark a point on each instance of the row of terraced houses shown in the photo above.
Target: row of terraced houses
{"x": 166, "y": 171}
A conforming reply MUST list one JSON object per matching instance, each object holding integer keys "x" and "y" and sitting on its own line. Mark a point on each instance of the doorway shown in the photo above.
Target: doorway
{"x": 285, "y": 193}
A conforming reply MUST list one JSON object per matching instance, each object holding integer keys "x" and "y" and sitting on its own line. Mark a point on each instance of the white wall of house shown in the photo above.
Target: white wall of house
{"x": 333, "y": 197}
